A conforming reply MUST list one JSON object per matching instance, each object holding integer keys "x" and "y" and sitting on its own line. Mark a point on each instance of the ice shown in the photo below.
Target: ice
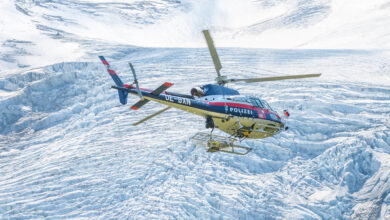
{"x": 68, "y": 149}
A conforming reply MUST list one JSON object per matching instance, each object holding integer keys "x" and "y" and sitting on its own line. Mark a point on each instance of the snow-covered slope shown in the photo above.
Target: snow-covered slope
{"x": 73, "y": 30}
{"x": 68, "y": 149}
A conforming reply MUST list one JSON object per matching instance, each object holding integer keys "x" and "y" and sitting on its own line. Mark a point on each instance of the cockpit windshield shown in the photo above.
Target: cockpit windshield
{"x": 256, "y": 102}
{"x": 266, "y": 105}
{"x": 260, "y": 103}
{"x": 240, "y": 99}
{"x": 251, "y": 100}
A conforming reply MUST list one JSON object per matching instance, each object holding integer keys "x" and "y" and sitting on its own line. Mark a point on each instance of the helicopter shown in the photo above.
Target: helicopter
{"x": 223, "y": 108}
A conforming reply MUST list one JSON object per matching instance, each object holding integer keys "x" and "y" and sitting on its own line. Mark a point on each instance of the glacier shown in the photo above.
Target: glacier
{"x": 68, "y": 149}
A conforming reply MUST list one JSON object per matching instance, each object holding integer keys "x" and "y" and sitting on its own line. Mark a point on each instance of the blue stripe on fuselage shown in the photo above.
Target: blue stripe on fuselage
{"x": 235, "y": 111}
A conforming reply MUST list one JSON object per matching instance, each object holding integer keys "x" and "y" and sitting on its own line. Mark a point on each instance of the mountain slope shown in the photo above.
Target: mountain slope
{"x": 69, "y": 149}
{"x": 74, "y": 30}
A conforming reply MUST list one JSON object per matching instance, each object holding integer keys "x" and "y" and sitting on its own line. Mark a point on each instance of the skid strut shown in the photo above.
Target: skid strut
{"x": 216, "y": 143}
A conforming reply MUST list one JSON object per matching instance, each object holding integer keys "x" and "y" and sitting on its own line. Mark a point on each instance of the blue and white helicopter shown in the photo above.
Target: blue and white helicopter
{"x": 223, "y": 108}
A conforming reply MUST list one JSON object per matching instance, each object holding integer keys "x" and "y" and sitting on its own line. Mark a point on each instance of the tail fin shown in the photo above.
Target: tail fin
{"x": 122, "y": 94}
{"x": 122, "y": 97}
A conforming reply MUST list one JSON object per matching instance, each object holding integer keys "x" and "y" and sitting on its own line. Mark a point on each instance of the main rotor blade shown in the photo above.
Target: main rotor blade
{"x": 274, "y": 78}
{"x": 213, "y": 51}
{"x": 151, "y": 116}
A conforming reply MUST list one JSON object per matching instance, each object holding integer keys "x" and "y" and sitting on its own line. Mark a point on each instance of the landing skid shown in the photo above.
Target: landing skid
{"x": 216, "y": 143}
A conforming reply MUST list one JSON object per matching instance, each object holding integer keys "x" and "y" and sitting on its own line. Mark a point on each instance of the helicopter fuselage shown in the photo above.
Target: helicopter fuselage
{"x": 222, "y": 107}
{"x": 236, "y": 118}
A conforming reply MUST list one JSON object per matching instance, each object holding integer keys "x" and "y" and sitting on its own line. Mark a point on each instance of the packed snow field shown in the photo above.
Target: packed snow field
{"x": 68, "y": 149}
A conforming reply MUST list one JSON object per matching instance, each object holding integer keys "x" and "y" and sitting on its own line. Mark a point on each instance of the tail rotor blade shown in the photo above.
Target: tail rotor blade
{"x": 136, "y": 81}
{"x": 274, "y": 78}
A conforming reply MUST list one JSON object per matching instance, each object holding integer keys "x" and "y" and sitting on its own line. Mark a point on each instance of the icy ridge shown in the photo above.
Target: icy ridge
{"x": 68, "y": 150}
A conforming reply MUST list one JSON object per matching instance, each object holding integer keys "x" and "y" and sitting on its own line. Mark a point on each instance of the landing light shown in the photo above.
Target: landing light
{"x": 286, "y": 113}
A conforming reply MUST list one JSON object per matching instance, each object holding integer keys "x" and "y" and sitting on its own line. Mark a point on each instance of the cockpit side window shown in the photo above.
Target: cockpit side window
{"x": 241, "y": 99}
{"x": 258, "y": 102}
{"x": 253, "y": 101}
{"x": 267, "y": 106}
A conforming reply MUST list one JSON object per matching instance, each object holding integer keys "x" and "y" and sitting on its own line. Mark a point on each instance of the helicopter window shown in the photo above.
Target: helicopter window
{"x": 241, "y": 99}
{"x": 253, "y": 101}
{"x": 267, "y": 106}
{"x": 256, "y": 102}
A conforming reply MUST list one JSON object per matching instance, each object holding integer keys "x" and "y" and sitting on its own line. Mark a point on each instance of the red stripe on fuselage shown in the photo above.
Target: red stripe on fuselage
{"x": 230, "y": 104}
{"x": 261, "y": 111}
{"x": 146, "y": 90}
{"x": 239, "y": 105}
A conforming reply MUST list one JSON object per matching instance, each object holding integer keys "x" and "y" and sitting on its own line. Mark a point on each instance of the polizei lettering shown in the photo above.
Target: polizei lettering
{"x": 179, "y": 100}
{"x": 241, "y": 111}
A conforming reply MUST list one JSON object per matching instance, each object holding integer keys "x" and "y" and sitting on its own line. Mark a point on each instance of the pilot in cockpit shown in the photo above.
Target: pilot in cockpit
{"x": 197, "y": 92}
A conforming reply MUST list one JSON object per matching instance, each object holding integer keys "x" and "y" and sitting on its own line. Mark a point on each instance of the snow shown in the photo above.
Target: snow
{"x": 68, "y": 149}
{"x": 21, "y": 42}
{"x": 72, "y": 30}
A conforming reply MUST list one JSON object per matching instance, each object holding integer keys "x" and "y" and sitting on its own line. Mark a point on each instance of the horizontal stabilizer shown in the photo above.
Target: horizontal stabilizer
{"x": 162, "y": 88}
{"x": 139, "y": 104}
{"x": 157, "y": 91}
